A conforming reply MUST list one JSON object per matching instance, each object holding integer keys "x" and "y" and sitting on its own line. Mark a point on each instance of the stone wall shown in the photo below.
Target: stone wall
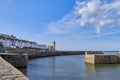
{"x": 36, "y": 53}
{"x": 90, "y": 56}
{"x": 17, "y": 60}
{"x": 100, "y": 58}
{"x": 8, "y": 72}
{"x": 90, "y": 59}
{"x": 106, "y": 59}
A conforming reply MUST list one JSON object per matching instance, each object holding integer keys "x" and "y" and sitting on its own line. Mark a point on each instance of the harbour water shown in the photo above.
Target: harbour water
{"x": 70, "y": 68}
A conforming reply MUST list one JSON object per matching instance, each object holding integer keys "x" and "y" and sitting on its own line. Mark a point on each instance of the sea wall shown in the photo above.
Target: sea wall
{"x": 90, "y": 59}
{"x": 106, "y": 59}
{"x": 55, "y": 53}
{"x": 100, "y": 58}
{"x": 37, "y": 53}
{"x": 8, "y": 72}
{"x": 17, "y": 60}
{"x": 90, "y": 56}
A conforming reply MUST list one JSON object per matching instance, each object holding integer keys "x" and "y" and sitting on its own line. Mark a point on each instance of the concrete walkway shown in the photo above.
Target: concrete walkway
{"x": 8, "y": 72}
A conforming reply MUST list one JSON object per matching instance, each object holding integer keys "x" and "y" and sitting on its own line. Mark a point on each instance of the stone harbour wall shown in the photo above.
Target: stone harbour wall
{"x": 89, "y": 58}
{"x": 17, "y": 60}
{"x": 37, "y": 53}
{"x": 100, "y": 58}
{"x": 8, "y": 72}
{"x": 106, "y": 59}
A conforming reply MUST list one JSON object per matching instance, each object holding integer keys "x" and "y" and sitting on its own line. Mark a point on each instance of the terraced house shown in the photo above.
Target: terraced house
{"x": 13, "y": 42}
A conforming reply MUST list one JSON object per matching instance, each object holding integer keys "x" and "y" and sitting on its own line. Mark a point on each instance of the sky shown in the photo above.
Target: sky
{"x": 73, "y": 24}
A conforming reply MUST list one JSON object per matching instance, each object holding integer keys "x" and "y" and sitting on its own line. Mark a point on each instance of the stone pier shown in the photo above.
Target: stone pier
{"x": 17, "y": 60}
{"x": 101, "y": 58}
{"x": 8, "y": 72}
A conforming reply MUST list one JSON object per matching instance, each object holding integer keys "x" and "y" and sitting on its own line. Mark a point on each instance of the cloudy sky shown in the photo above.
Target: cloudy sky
{"x": 74, "y": 24}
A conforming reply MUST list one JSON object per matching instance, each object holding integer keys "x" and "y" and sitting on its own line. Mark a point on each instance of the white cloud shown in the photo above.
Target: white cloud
{"x": 90, "y": 35}
{"x": 64, "y": 25}
{"x": 99, "y": 14}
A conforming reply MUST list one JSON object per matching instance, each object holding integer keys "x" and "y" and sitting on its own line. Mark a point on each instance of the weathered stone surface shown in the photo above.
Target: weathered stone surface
{"x": 99, "y": 58}
{"x": 14, "y": 59}
{"x": 8, "y": 72}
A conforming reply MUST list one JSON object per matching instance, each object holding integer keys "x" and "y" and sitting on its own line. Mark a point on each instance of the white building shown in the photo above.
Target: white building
{"x": 13, "y": 42}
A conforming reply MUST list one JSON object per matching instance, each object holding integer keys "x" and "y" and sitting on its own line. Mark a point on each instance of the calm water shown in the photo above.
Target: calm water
{"x": 70, "y": 68}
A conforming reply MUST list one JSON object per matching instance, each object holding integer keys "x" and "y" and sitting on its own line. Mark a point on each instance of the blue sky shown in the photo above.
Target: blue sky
{"x": 74, "y": 24}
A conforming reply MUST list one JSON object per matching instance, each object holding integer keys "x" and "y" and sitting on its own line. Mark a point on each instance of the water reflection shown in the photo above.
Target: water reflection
{"x": 53, "y": 68}
{"x": 90, "y": 68}
{"x": 100, "y": 67}
{"x": 70, "y": 68}
{"x": 103, "y": 71}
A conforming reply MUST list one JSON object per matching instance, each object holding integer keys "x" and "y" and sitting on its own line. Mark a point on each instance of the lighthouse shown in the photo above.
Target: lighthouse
{"x": 54, "y": 45}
